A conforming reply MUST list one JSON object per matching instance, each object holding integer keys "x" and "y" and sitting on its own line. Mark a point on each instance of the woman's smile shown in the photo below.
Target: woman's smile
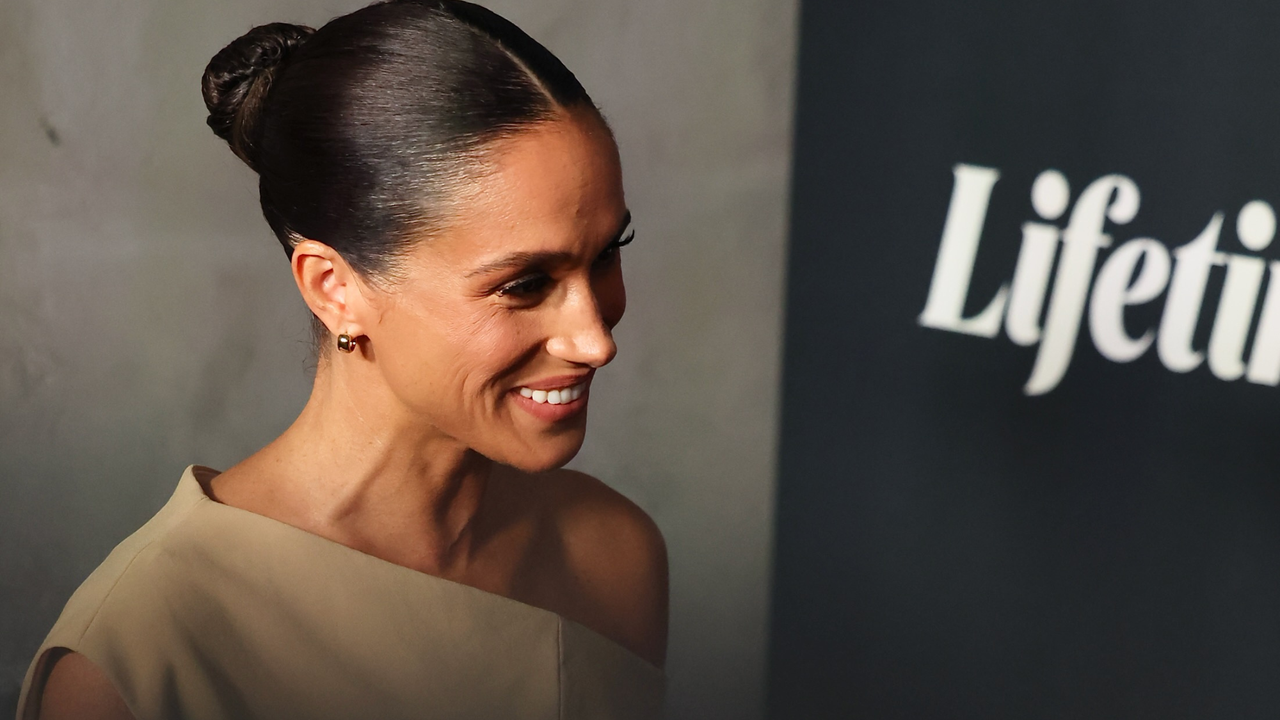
{"x": 554, "y": 399}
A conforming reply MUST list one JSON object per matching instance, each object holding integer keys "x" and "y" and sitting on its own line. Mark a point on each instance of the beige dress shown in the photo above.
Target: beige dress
{"x": 209, "y": 611}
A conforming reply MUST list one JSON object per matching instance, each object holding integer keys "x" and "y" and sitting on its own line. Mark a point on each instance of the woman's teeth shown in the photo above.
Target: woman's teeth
{"x": 555, "y": 397}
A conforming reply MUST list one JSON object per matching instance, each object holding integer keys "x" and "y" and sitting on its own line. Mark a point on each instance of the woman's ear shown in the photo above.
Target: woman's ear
{"x": 330, "y": 287}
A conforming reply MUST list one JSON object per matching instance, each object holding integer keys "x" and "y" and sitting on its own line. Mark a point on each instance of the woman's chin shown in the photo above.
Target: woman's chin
{"x": 544, "y": 454}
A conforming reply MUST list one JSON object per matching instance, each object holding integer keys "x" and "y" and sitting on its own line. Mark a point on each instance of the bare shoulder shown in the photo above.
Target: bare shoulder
{"x": 76, "y": 688}
{"x": 618, "y": 559}
{"x": 600, "y": 518}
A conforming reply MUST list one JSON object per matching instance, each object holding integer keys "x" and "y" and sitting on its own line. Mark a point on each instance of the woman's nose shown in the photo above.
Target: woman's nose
{"x": 582, "y": 336}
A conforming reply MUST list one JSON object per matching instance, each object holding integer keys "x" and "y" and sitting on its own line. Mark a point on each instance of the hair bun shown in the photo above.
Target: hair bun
{"x": 237, "y": 79}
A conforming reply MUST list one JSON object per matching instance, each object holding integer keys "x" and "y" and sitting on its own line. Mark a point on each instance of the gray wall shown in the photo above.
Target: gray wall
{"x": 151, "y": 322}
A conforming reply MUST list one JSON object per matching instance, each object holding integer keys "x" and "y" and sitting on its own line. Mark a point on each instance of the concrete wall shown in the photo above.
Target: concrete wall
{"x": 151, "y": 323}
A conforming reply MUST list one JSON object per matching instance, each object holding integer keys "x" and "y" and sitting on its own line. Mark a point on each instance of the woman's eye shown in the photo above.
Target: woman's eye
{"x": 611, "y": 252}
{"x": 525, "y": 287}
{"x": 607, "y": 256}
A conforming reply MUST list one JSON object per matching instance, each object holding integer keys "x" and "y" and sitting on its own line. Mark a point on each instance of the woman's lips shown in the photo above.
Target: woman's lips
{"x": 554, "y": 399}
{"x": 559, "y": 382}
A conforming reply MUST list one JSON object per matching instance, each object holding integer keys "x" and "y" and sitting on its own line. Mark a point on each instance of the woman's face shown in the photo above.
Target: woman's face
{"x": 500, "y": 322}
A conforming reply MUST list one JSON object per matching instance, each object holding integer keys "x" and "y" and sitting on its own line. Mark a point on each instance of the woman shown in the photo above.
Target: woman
{"x": 451, "y": 203}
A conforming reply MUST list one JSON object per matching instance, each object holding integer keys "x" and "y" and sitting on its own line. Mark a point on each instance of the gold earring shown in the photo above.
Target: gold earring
{"x": 346, "y": 343}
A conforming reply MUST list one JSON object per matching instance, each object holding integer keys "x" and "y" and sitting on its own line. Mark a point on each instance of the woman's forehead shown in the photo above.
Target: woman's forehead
{"x": 559, "y": 184}
{"x": 559, "y": 167}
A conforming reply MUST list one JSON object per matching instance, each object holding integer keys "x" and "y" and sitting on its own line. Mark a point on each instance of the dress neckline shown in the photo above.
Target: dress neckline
{"x": 194, "y": 481}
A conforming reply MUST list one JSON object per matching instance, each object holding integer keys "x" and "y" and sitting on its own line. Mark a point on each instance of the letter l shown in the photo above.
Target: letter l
{"x": 944, "y": 310}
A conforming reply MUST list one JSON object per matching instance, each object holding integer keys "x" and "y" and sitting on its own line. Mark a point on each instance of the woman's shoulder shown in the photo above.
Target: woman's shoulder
{"x": 141, "y": 559}
{"x": 120, "y": 603}
{"x": 615, "y": 557}
{"x": 595, "y": 518}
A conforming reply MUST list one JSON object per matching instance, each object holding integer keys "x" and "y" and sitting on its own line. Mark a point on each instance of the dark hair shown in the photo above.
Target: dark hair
{"x": 360, "y": 131}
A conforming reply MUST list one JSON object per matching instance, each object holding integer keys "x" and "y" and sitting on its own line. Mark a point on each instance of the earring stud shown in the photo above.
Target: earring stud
{"x": 346, "y": 343}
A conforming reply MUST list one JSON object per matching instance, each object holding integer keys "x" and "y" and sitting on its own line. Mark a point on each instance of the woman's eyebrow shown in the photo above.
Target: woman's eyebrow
{"x": 520, "y": 259}
{"x": 525, "y": 259}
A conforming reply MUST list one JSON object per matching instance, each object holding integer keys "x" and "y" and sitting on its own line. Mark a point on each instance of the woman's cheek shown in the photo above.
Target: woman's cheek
{"x": 420, "y": 355}
{"x": 495, "y": 343}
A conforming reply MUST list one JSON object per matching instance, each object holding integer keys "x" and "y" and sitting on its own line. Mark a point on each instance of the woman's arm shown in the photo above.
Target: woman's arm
{"x": 78, "y": 689}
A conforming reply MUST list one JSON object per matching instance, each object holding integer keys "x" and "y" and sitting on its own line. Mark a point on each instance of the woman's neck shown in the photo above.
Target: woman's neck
{"x": 358, "y": 468}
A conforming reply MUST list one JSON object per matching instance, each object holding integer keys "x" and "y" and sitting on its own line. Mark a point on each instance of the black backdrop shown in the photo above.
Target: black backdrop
{"x": 949, "y": 546}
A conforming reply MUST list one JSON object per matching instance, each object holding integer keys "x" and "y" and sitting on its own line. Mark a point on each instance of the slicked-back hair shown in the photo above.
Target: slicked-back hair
{"x": 361, "y": 131}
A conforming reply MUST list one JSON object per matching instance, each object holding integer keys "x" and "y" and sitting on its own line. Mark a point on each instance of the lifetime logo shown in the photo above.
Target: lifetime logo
{"x": 1120, "y": 283}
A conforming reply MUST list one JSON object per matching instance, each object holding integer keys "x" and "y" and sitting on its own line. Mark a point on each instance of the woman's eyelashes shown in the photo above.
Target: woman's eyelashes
{"x": 611, "y": 252}
{"x": 526, "y": 287}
